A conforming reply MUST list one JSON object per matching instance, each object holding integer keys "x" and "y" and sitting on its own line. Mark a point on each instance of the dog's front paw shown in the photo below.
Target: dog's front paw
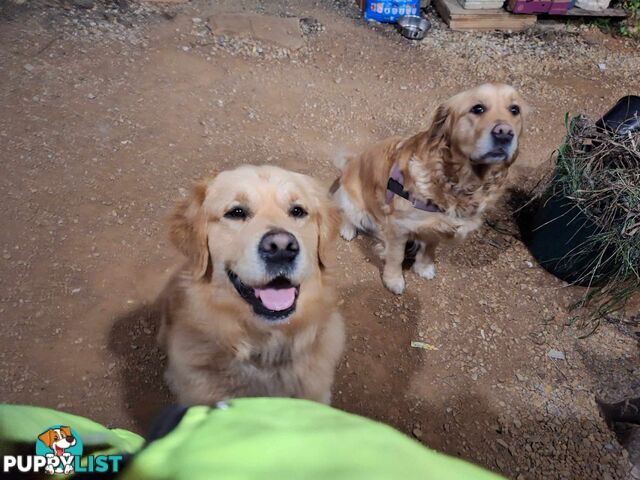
{"x": 427, "y": 271}
{"x": 348, "y": 231}
{"x": 68, "y": 469}
{"x": 395, "y": 283}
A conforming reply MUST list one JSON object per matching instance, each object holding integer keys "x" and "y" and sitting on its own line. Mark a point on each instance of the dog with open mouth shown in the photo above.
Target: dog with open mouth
{"x": 433, "y": 186}
{"x": 253, "y": 312}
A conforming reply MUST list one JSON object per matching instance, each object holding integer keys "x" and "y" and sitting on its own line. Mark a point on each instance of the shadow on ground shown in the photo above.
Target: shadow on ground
{"x": 141, "y": 364}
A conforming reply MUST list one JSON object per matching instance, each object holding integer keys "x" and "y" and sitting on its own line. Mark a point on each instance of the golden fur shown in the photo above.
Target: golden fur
{"x": 443, "y": 164}
{"x": 217, "y": 346}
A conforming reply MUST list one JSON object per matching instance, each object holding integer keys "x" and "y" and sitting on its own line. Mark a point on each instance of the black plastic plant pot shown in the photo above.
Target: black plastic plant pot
{"x": 560, "y": 237}
{"x": 623, "y": 118}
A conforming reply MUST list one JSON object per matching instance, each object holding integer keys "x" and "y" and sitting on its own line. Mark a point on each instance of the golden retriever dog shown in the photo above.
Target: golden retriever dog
{"x": 253, "y": 311}
{"x": 436, "y": 184}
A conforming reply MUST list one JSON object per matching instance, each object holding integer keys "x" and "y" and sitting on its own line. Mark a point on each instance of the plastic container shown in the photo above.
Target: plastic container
{"x": 593, "y": 5}
{"x": 388, "y": 11}
{"x": 481, "y": 4}
{"x": 624, "y": 116}
{"x": 558, "y": 8}
{"x": 528, "y": 6}
{"x": 557, "y": 234}
{"x": 556, "y": 231}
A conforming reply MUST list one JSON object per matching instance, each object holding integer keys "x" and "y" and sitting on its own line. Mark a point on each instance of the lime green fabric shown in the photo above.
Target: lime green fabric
{"x": 253, "y": 439}
{"x": 21, "y": 424}
{"x": 268, "y": 438}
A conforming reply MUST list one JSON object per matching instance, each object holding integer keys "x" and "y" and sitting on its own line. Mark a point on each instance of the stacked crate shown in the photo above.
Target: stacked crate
{"x": 550, "y": 7}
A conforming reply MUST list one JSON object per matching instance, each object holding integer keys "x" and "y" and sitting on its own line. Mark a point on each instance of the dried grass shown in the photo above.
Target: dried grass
{"x": 600, "y": 173}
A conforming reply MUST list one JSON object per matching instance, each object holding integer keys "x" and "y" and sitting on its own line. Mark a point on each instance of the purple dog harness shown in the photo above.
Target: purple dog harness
{"x": 395, "y": 185}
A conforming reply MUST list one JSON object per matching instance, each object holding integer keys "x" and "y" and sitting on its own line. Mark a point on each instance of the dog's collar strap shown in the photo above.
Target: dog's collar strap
{"x": 395, "y": 185}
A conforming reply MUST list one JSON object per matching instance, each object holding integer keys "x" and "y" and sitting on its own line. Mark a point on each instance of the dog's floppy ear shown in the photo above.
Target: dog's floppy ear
{"x": 47, "y": 438}
{"x": 440, "y": 125}
{"x": 328, "y": 223}
{"x": 188, "y": 230}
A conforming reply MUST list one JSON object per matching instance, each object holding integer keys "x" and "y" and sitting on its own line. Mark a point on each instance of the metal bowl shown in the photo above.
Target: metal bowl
{"x": 413, "y": 27}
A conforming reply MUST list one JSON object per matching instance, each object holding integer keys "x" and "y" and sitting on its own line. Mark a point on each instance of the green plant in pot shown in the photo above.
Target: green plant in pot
{"x": 585, "y": 226}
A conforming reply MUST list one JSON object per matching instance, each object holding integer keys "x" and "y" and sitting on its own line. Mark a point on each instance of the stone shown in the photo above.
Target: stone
{"x": 555, "y": 354}
{"x": 85, "y": 4}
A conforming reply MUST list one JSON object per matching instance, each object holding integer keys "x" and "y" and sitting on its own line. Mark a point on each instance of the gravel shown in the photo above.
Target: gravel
{"x": 510, "y": 386}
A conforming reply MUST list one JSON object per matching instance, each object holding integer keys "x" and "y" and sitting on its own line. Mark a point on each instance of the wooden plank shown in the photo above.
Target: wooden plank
{"x": 579, "y": 12}
{"x": 481, "y": 20}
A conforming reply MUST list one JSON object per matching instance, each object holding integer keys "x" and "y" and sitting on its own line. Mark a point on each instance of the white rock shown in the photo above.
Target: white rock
{"x": 555, "y": 354}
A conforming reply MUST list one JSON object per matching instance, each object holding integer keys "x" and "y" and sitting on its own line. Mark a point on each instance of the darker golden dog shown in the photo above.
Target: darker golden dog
{"x": 253, "y": 312}
{"x": 436, "y": 184}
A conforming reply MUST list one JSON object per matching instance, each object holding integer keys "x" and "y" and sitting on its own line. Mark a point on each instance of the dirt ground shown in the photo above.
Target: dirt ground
{"x": 108, "y": 116}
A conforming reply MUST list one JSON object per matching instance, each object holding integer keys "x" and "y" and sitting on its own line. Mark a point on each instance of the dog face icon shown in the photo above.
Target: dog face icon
{"x": 58, "y": 439}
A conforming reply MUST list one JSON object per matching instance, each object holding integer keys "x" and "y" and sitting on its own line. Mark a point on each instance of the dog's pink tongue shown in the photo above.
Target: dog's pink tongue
{"x": 276, "y": 299}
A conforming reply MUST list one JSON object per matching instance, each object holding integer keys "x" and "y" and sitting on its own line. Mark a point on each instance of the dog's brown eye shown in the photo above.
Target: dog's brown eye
{"x": 237, "y": 213}
{"x": 297, "y": 212}
{"x": 514, "y": 109}
{"x": 478, "y": 109}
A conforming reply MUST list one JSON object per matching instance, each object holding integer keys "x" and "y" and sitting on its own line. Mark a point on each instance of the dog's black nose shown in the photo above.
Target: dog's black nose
{"x": 278, "y": 247}
{"x": 502, "y": 134}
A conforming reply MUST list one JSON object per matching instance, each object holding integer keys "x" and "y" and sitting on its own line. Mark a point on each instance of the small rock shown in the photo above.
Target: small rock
{"x": 555, "y": 354}
{"x": 86, "y": 4}
{"x": 502, "y": 443}
{"x": 417, "y": 432}
{"x": 28, "y": 67}
{"x": 553, "y": 410}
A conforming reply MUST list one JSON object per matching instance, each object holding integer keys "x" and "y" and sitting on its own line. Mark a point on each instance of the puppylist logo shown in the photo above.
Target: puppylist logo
{"x": 59, "y": 451}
